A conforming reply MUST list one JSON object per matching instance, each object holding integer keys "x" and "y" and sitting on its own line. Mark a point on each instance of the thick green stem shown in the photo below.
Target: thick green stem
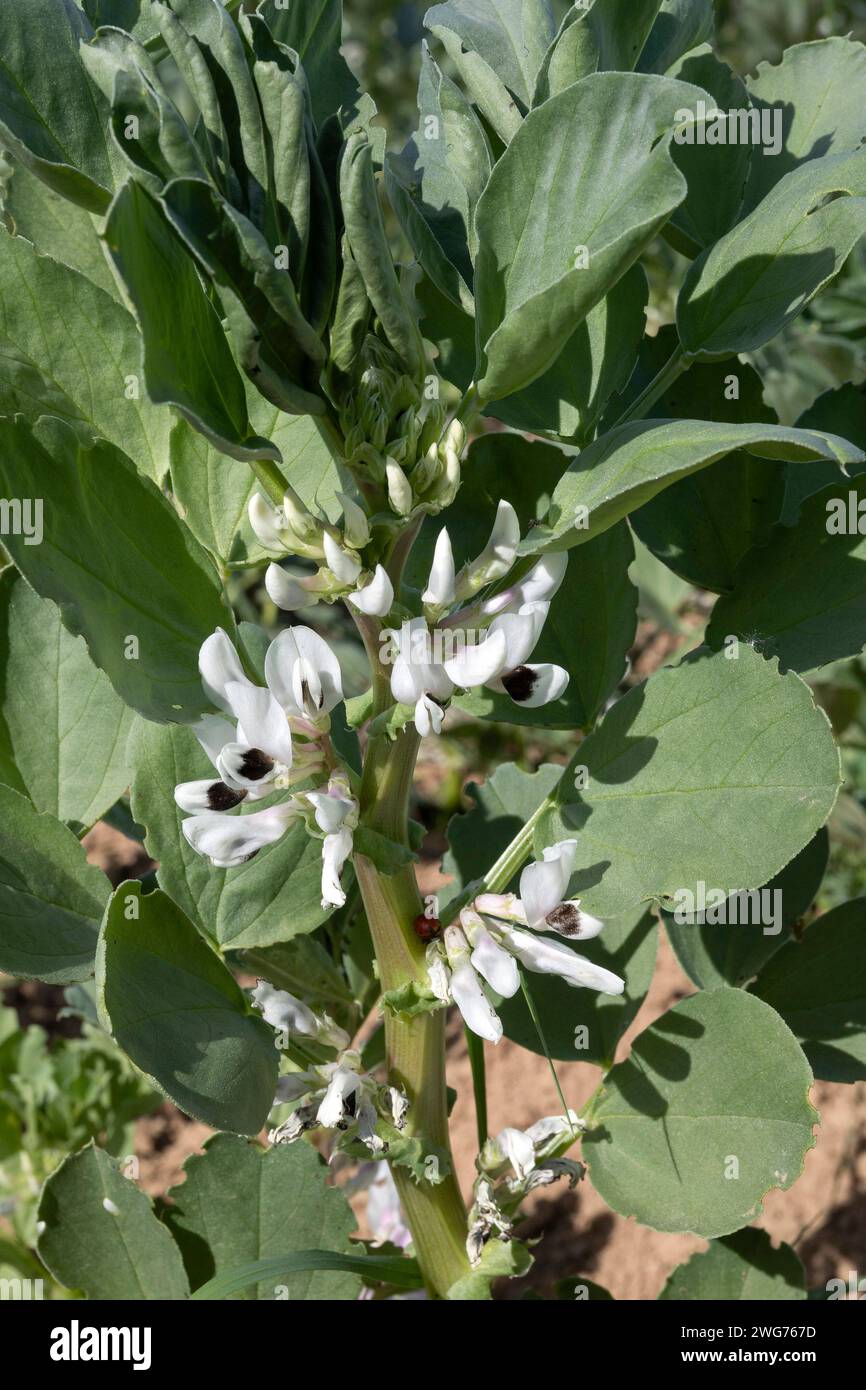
{"x": 415, "y": 1047}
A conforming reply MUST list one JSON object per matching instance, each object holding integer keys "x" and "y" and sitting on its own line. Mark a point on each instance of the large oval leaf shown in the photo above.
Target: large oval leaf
{"x": 710, "y": 1111}
{"x": 178, "y": 1013}
{"x": 51, "y": 899}
{"x": 717, "y": 771}
{"x": 279, "y": 1202}
{"x": 744, "y": 1266}
{"x": 117, "y": 560}
{"x": 818, "y": 985}
{"x": 100, "y": 1234}
{"x": 67, "y": 729}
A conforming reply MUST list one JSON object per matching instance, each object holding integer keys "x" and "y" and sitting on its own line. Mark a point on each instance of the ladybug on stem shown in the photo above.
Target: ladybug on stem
{"x": 428, "y": 928}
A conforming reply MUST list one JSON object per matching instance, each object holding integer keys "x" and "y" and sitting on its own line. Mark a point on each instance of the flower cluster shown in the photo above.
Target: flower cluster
{"x": 334, "y": 1094}
{"x": 509, "y": 1166}
{"x": 279, "y": 739}
{"x": 487, "y": 948}
{"x": 429, "y": 665}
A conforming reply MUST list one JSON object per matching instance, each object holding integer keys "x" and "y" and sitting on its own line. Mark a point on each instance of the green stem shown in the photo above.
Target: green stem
{"x": 475, "y": 1048}
{"x": 271, "y": 479}
{"x": 414, "y": 1047}
{"x": 510, "y": 861}
{"x": 673, "y": 368}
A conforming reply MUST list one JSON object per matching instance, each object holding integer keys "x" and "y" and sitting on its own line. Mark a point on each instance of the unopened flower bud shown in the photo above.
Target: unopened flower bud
{"x": 399, "y": 488}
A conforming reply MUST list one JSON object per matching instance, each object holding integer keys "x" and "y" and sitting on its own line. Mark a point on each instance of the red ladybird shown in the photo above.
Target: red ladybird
{"x": 428, "y": 928}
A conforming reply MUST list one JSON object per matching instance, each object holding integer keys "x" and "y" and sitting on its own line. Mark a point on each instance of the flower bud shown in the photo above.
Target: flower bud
{"x": 399, "y": 488}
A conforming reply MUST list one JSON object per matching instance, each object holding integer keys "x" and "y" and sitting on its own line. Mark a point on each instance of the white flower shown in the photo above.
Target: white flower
{"x": 228, "y": 841}
{"x": 440, "y": 584}
{"x": 339, "y": 1096}
{"x": 290, "y": 593}
{"x": 376, "y": 597}
{"x": 342, "y": 563}
{"x": 257, "y": 755}
{"x": 482, "y": 950}
{"x": 541, "y": 903}
{"x": 335, "y": 813}
{"x": 303, "y": 674}
{"x": 384, "y": 1212}
{"x": 290, "y": 1015}
{"x": 501, "y": 661}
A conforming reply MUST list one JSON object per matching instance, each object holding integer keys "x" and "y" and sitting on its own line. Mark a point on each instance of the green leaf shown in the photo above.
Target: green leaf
{"x": 681, "y": 25}
{"x": 817, "y": 92}
{"x": 744, "y": 1266}
{"x": 51, "y": 899}
{"x": 119, "y": 1252}
{"x": 303, "y": 967}
{"x": 731, "y": 951}
{"x": 716, "y": 173}
{"x": 597, "y": 360}
{"x": 503, "y": 805}
{"x": 510, "y": 36}
{"x": 624, "y": 469}
{"x": 187, "y": 359}
{"x": 589, "y": 631}
{"x": 43, "y": 371}
{"x": 315, "y": 31}
{"x": 67, "y": 728}
{"x": 818, "y": 985}
{"x": 56, "y": 227}
{"x": 583, "y": 187}
{"x": 403, "y": 1273}
{"x": 124, "y": 571}
{"x": 802, "y": 595}
{"x": 239, "y": 1205}
{"x": 580, "y": 1025}
{"x": 717, "y": 771}
{"x": 843, "y": 408}
{"x": 51, "y": 116}
{"x": 762, "y": 274}
{"x": 702, "y": 526}
{"x": 129, "y": 15}
{"x": 272, "y": 898}
{"x": 500, "y": 1259}
{"x": 434, "y": 186}
{"x": 710, "y": 1111}
{"x": 606, "y": 36}
{"x": 409, "y": 1000}
{"x": 179, "y": 1015}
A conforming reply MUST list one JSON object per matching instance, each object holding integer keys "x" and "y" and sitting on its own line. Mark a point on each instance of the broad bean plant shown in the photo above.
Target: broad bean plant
{"x": 242, "y": 333}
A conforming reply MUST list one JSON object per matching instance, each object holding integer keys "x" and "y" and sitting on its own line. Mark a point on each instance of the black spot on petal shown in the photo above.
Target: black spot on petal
{"x": 565, "y": 919}
{"x": 255, "y": 764}
{"x": 223, "y": 798}
{"x": 520, "y": 683}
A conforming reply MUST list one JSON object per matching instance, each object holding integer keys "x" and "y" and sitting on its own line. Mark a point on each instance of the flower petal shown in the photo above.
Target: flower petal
{"x": 518, "y": 1148}
{"x": 282, "y": 1010}
{"x": 207, "y": 795}
{"x": 213, "y": 733}
{"x": 535, "y": 684}
{"x": 220, "y": 666}
{"x": 428, "y": 716}
{"x": 543, "y": 885}
{"x": 548, "y": 957}
{"x": 269, "y": 524}
{"x": 476, "y": 664}
{"x": 262, "y": 723}
{"x": 303, "y": 674}
{"x": 522, "y": 630}
{"x": 376, "y": 598}
{"x": 336, "y": 849}
{"x": 440, "y": 585}
{"x": 494, "y": 964}
{"x": 231, "y": 840}
{"x": 342, "y": 1086}
{"x": 286, "y": 591}
{"x": 344, "y": 566}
